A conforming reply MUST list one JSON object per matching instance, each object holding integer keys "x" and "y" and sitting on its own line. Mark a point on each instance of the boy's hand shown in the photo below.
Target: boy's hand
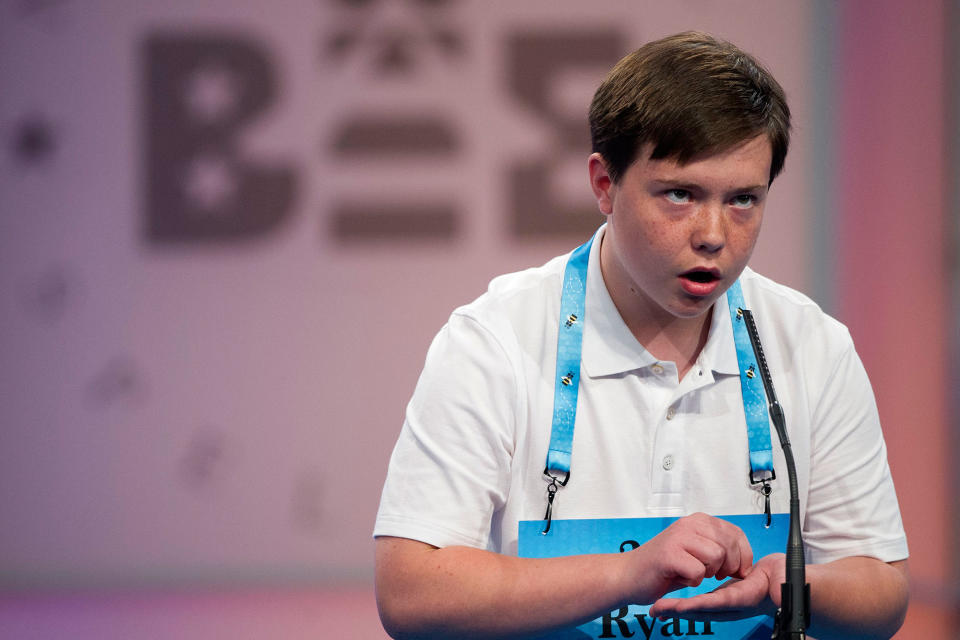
{"x": 757, "y": 593}
{"x": 691, "y": 549}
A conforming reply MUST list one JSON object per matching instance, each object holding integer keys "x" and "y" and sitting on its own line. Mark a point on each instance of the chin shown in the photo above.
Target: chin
{"x": 693, "y": 309}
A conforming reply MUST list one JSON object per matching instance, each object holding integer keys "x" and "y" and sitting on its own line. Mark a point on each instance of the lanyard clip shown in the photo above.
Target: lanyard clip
{"x": 554, "y": 484}
{"x": 765, "y": 489}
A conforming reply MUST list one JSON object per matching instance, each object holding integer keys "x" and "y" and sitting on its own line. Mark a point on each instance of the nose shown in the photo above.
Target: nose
{"x": 709, "y": 234}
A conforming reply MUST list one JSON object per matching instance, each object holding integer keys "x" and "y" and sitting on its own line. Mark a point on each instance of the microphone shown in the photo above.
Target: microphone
{"x": 793, "y": 617}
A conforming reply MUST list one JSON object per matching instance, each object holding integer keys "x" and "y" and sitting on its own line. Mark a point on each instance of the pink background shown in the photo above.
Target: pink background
{"x": 195, "y": 432}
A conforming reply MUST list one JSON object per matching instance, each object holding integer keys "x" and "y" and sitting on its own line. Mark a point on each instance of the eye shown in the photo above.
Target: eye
{"x": 678, "y": 196}
{"x": 744, "y": 200}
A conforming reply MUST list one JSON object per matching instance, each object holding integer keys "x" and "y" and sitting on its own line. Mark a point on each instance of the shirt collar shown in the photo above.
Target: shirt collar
{"x": 720, "y": 352}
{"x": 609, "y": 347}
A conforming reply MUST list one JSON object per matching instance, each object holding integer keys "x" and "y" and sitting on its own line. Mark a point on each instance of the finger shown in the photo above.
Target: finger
{"x": 746, "y": 556}
{"x": 708, "y": 552}
{"x": 680, "y": 608}
{"x": 729, "y": 595}
{"x": 733, "y": 602}
{"x": 687, "y": 569}
{"x": 734, "y": 594}
{"x": 713, "y": 616}
{"x": 738, "y": 555}
{"x": 709, "y": 602}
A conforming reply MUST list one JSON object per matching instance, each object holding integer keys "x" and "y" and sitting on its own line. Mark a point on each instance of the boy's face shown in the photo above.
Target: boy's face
{"x": 679, "y": 235}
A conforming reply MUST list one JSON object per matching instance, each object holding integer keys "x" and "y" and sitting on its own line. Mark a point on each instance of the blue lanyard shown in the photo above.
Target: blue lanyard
{"x": 567, "y": 381}
{"x": 569, "y": 347}
{"x": 751, "y": 387}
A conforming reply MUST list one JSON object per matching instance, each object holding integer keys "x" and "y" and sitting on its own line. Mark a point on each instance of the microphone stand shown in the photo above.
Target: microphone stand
{"x": 793, "y": 617}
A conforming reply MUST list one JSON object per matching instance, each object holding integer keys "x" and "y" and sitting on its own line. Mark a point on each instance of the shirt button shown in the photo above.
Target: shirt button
{"x": 668, "y": 462}
{"x": 657, "y": 368}
{"x": 671, "y": 412}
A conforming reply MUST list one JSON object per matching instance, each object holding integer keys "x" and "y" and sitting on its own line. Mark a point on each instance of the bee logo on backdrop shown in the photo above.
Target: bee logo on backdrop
{"x": 200, "y": 92}
{"x": 415, "y": 123}
{"x": 394, "y": 65}
{"x": 390, "y": 49}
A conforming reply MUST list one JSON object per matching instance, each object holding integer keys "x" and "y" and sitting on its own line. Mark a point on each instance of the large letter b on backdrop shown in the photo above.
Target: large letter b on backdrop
{"x": 199, "y": 92}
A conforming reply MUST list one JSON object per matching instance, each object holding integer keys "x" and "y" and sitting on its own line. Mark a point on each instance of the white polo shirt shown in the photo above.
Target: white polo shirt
{"x": 468, "y": 464}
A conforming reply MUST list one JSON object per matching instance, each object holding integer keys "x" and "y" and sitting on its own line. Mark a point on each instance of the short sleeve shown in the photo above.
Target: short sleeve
{"x": 450, "y": 469}
{"x": 852, "y": 505}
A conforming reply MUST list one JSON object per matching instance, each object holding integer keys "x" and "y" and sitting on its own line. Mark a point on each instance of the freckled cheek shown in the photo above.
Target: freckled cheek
{"x": 747, "y": 238}
{"x": 657, "y": 232}
{"x": 665, "y": 239}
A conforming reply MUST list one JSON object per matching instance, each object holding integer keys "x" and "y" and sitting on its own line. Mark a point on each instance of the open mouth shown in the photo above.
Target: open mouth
{"x": 701, "y": 276}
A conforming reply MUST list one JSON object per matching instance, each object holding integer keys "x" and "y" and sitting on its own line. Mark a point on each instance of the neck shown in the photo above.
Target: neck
{"x": 665, "y": 336}
{"x": 679, "y": 344}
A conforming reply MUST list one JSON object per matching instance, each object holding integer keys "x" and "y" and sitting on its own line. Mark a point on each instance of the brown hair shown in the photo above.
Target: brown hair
{"x": 688, "y": 95}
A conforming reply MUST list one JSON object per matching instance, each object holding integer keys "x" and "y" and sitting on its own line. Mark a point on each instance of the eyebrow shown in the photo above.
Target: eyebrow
{"x": 693, "y": 186}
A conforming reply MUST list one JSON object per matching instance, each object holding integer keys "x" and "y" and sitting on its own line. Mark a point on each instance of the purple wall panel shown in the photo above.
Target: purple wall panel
{"x": 893, "y": 287}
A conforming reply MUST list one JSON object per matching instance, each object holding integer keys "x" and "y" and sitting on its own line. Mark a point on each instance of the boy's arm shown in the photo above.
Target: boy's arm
{"x": 460, "y": 592}
{"x": 857, "y": 596}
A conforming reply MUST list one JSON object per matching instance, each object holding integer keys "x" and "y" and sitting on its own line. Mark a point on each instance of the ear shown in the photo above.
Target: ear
{"x": 601, "y": 183}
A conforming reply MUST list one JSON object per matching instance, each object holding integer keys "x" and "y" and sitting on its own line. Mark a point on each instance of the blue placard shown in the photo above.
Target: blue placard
{"x": 574, "y": 537}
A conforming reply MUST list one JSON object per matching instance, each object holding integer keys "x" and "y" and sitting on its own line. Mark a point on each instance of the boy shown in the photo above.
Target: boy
{"x": 688, "y": 134}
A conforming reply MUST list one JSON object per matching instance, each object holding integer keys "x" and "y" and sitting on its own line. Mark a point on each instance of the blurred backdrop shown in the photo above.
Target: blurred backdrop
{"x": 229, "y": 230}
